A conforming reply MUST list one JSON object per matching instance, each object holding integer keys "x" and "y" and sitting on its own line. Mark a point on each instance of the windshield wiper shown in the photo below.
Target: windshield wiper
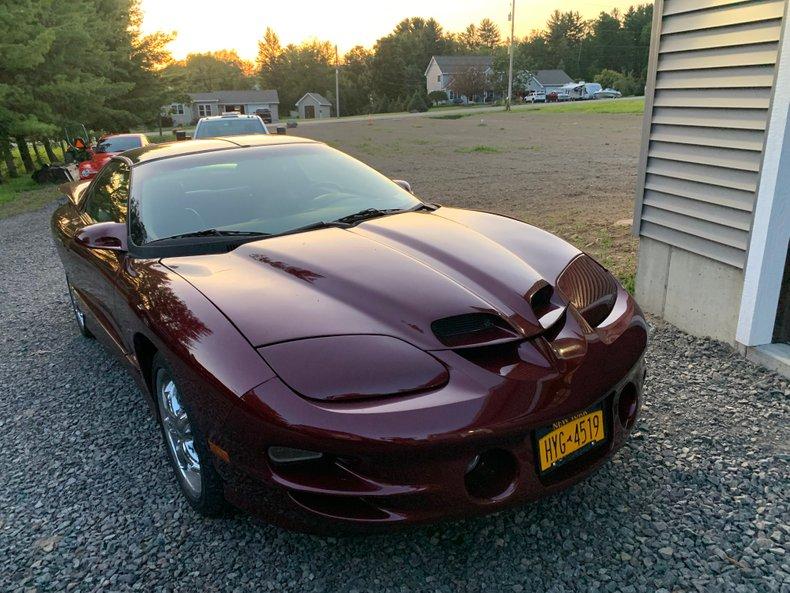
{"x": 214, "y": 233}
{"x": 321, "y": 224}
{"x": 366, "y": 214}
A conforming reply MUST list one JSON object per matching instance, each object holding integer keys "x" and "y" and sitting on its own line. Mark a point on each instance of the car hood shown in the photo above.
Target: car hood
{"x": 99, "y": 158}
{"x": 393, "y": 275}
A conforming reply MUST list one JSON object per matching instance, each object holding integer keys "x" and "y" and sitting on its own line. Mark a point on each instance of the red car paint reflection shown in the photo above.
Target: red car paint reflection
{"x": 410, "y": 358}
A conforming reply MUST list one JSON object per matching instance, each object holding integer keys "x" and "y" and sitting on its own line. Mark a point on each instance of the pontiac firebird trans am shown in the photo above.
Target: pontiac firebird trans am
{"x": 325, "y": 350}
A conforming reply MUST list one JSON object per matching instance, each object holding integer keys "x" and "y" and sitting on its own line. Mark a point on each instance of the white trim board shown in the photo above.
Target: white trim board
{"x": 771, "y": 222}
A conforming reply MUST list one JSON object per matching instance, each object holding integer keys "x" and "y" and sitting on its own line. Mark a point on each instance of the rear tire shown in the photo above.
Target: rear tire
{"x": 79, "y": 315}
{"x": 186, "y": 447}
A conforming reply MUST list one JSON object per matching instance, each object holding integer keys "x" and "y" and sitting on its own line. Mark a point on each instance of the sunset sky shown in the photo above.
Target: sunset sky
{"x": 206, "y": 25}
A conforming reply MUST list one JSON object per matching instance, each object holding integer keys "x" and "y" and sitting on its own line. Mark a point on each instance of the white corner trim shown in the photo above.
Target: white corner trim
{"x": 771, "y": 220}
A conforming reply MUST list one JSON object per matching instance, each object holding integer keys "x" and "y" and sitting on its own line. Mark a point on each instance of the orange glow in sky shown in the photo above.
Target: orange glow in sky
{"x": 207, "y": 26}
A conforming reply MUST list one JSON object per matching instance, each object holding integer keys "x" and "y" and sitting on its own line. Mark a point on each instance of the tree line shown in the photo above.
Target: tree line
{"x": 87, "y": 61}
{"x": 390, "y": 76}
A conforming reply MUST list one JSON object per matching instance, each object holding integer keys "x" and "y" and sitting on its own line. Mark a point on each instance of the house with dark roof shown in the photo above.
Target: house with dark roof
{"x": 441, "y": 69}
{"x": 314, "y": 106}
{"x": 219, "y": 102}
{"x": 546, "y": 81}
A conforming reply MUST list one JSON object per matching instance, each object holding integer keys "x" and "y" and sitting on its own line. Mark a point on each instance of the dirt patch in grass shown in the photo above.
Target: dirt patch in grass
{"x": 572, "y": 173}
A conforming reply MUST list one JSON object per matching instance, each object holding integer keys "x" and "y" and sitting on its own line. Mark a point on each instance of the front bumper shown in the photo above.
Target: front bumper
{"x": 405, "y": 460}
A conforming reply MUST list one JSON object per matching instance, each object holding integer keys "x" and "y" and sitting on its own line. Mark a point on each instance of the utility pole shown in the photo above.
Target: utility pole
{"x": 510, "y": 69}
{"x": 337, "y": 84}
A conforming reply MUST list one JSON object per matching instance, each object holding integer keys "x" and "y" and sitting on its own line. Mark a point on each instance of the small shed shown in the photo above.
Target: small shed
{"x": 313, "y": 106}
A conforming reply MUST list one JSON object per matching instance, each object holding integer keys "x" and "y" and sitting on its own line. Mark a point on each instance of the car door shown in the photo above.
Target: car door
{"x": 93, "y": 273}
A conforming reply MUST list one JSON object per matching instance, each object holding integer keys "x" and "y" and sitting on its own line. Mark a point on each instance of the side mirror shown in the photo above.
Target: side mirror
{"x": 281, "y": 130}
{"x": 104, "y": 235}
{"x": 404, "y": 184}
{"x": 73, "y": 190}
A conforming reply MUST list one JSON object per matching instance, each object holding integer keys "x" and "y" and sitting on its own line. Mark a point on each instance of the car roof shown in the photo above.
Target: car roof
{"x": 122, "y": 136}
{"x": 228, "y": 116}
{"x": 153, "y": 152}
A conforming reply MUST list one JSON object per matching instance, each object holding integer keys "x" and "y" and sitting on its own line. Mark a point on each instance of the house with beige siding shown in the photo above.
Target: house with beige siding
{"x": 713, "y": 190}
{"x": 440, "y": 71}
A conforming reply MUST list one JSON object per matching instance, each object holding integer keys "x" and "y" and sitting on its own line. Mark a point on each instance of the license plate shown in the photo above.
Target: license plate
{"x": 570, "y": 436}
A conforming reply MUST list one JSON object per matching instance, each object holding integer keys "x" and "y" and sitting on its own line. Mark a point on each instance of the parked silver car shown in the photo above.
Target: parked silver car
{"x": 229, "y": 124}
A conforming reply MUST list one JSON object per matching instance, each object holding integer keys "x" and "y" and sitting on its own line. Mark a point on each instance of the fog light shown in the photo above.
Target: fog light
{"x": 290, "y": 455}
{"x": 491, "y": 475}
{"x": 627, "y": 404}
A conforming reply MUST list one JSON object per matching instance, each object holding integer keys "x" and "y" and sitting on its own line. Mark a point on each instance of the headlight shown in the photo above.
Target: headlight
{"x": 589, "y": 288}
{"x": 342, "y": 368}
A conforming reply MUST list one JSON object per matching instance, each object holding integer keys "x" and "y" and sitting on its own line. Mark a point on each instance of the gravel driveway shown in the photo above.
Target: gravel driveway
{"x": 697, "y": 500}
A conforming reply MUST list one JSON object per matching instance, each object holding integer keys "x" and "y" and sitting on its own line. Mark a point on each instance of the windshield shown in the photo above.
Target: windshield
{"x": 118, "y": 144}
{"x": 231, "y": 126}
{"x": 265, "y": 189}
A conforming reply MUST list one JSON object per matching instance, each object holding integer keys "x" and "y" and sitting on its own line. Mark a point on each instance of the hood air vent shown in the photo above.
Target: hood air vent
{"x": 472, "y": 329}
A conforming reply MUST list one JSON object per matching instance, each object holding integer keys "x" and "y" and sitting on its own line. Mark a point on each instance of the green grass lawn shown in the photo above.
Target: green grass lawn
{"x": 24, "y": 195}
{"x": 636, "y": 106}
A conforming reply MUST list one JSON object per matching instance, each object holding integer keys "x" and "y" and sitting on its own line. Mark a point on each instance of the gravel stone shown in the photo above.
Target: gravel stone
{"x": 696, "y": 501}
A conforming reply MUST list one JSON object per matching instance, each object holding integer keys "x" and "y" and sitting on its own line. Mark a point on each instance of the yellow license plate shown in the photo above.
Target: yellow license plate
{"x": 573, "y": 435}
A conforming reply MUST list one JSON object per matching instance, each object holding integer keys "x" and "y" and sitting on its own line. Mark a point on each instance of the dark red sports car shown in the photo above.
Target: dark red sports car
{"x": 322, "y": 348}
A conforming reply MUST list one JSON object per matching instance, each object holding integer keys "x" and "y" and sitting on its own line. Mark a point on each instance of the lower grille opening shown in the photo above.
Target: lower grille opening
{"x": 339, "y": 507}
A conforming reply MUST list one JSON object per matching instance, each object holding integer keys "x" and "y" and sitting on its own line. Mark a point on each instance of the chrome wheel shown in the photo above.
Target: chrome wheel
{"x": 179, "y": 438}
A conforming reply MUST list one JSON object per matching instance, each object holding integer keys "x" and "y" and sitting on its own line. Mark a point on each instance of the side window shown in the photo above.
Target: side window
{"x": 109, "y": 197}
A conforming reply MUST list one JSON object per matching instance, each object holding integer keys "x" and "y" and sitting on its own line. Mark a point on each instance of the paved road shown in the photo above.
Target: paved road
{"x": 697, "y": 501}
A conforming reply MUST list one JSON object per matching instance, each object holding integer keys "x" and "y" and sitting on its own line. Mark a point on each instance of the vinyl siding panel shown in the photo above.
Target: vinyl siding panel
{"x": 746, "y": 119}
{"x": 720, "y": 57}
{"x": 729, "y": 217}
{"x": 734, "y": 35}
{"x": 720, "y": 157}
{"x": 743, "y": 77}
{"x": 712, "y": 98}
{"x": 747, "y": 12}
{"x": 712, "y": 69}
{"x": 698, "y": 136}
{"x": 679, "y": 6}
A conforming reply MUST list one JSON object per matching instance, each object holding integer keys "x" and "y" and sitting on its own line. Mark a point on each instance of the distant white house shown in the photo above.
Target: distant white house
{"x": 219, "y": 102}
{"x": 441, "y": 69}
{"x": 314, "y": 106}
{"x": 546, "y": 81}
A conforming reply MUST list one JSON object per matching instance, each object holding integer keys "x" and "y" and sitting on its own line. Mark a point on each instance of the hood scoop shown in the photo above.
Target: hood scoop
{"x": 472, "y": 330}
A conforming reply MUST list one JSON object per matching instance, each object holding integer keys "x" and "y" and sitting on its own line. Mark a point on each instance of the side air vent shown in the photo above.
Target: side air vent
{"x": 589, "y": 288}
{"x": 472, "y": 329}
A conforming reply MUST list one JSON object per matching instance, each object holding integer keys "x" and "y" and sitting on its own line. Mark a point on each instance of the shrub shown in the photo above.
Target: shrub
{"x": 625, "y": 83}
{"x": 417, "y": 103}
{"x": 437, "y": 97}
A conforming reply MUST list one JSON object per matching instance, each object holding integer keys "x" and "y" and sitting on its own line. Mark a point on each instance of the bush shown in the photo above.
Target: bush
{"x": 606, "y": 78}
{"x": 437, "y": 97}
{"x": 625, "y": 83}
{"x": 417, "y": 103}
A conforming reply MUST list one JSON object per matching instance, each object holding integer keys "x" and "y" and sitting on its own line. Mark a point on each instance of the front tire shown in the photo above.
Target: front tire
{"x": 187, "y": 449}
